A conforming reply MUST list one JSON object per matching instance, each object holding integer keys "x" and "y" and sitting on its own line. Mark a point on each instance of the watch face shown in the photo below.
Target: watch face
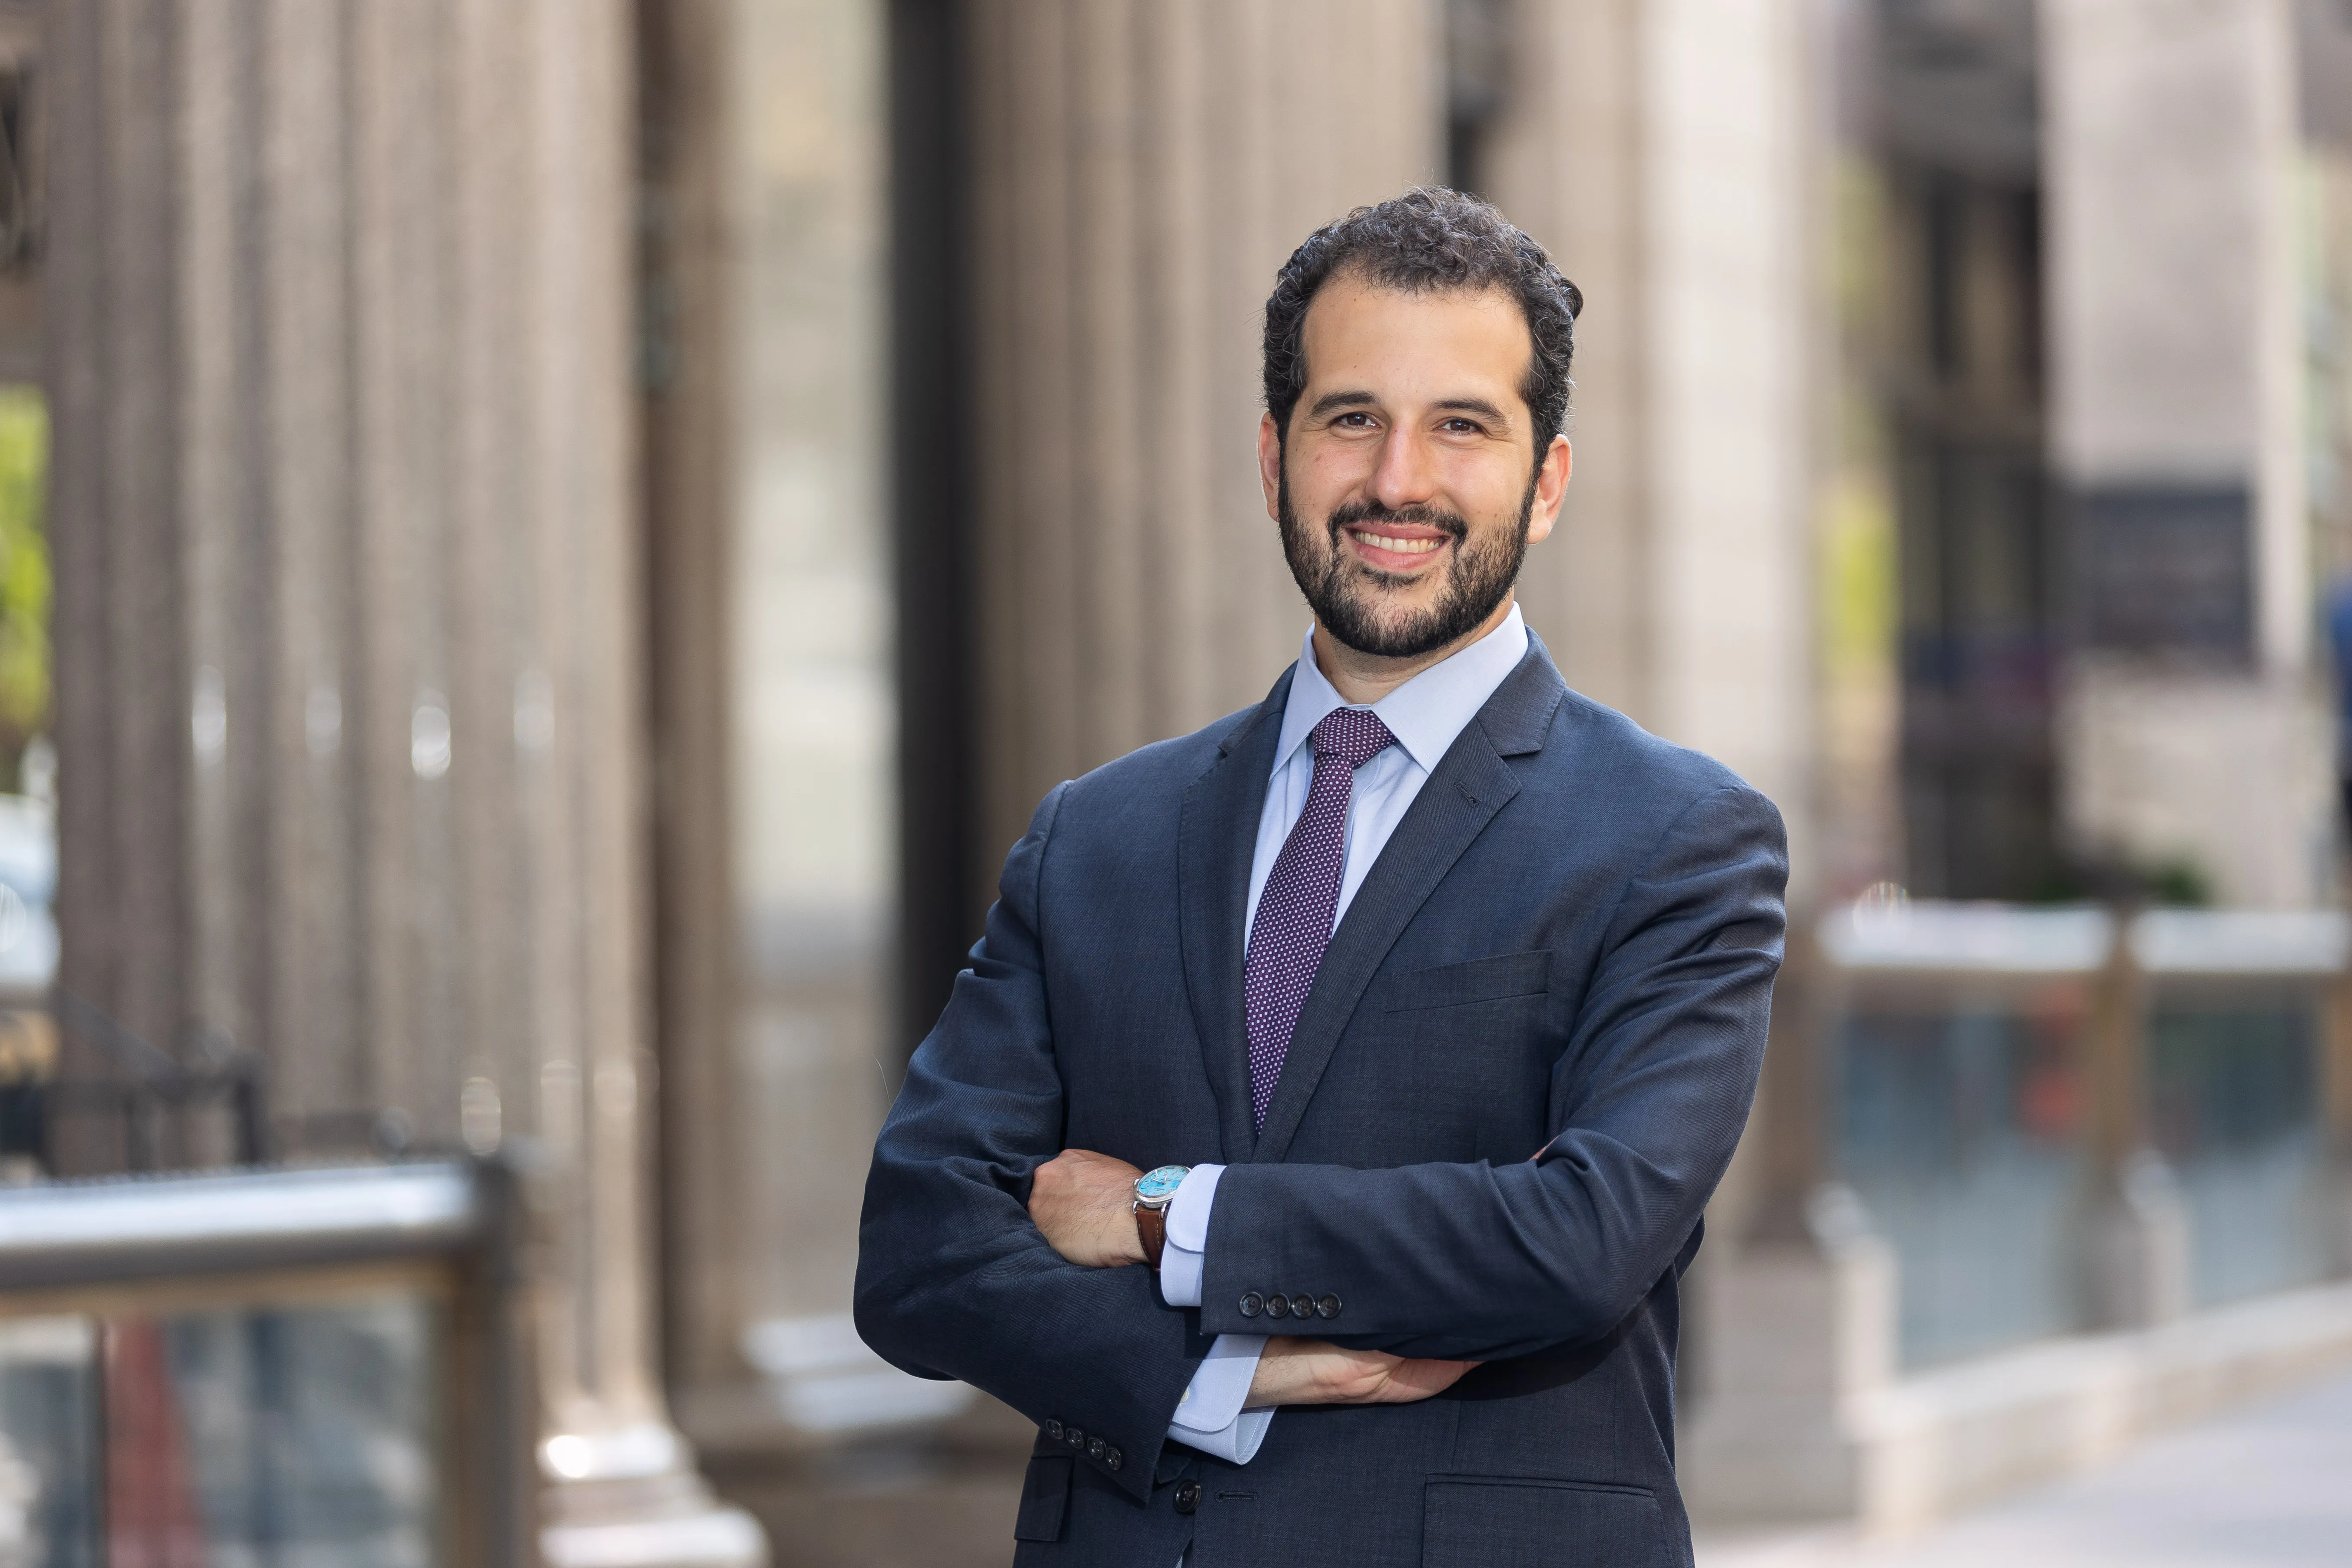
{"x": 1161, "y": 1183}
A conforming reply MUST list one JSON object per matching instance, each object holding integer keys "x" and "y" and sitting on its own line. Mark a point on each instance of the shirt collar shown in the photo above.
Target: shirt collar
{"x": 1426, "y": 713}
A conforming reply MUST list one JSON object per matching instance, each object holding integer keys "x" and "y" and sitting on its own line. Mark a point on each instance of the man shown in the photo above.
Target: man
{"x": 1430, "y": 994}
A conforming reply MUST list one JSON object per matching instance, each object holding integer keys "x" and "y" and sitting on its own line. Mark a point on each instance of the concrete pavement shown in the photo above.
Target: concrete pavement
{"x": 2266, "y": 1486}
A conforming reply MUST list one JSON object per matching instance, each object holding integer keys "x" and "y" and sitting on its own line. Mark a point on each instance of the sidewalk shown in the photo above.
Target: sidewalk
{"x": 2267, "y": 1486}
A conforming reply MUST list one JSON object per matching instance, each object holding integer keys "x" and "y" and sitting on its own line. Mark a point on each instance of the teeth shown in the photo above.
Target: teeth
{"x": 1401, "y": 546}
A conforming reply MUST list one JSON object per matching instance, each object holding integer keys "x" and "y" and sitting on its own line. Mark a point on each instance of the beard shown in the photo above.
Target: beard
{"x": 1347, "y": 594}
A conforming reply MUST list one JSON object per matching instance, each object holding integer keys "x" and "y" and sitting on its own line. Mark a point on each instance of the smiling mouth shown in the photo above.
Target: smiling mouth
{"x": 1387, "y": 549}
{"x": 1396, "y": 545}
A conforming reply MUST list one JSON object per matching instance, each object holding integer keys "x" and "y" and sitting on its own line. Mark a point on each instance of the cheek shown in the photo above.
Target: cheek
{"x": 1488, "y": 496}
{"x": 1484, "y": 486}
{"x": 1330, "y": 472}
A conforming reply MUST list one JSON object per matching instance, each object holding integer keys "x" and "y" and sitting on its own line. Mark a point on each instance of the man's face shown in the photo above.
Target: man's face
{"x": 1410, "y": 490}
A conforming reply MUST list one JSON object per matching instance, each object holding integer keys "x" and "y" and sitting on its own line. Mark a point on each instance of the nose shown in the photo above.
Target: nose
{"x": 1404, "y": 477}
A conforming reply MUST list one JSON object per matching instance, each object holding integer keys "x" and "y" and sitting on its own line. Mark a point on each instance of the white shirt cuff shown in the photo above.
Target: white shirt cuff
{"x": 1184, "y": 1252}
{"x": 1210, "y": 1416}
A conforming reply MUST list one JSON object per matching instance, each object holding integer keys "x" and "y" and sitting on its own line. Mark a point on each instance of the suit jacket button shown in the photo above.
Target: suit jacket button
{"x": 1114, "y": 1458}
{"x": 1187, "y": 1495}
{"x": 1278, "y": 1306}
{"x": 1252, "y": 1304}
{"x": 1302, "y": 1306}
{"x": 1076, "y": 1438}
{"x": 1097, "y": 1447}
{"x": 1328, "y": 1307}
{"x": 1053, "y": 1429}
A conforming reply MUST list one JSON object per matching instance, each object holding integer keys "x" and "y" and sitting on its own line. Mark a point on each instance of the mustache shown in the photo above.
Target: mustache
{"x": 1359, "y": 512}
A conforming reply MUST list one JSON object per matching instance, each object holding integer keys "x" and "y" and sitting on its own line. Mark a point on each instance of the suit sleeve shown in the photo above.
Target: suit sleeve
{"x": 1646, "y": 1102}
{"x": 953, "y": 1280}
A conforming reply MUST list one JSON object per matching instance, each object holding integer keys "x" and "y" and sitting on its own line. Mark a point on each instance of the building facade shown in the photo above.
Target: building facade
{"x": 582, "y": 534}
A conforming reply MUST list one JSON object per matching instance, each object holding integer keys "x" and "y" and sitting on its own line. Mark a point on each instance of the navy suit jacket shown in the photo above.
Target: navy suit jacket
{"x": 1522, "y": 1067}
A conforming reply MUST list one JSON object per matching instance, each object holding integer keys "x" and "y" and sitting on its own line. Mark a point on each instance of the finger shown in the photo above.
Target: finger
{"x": 1420, "y": 1379}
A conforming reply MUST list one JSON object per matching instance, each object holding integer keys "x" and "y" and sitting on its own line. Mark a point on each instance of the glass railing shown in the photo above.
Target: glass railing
{"x": 1961, "y": 1074}
{"x": 272, "y": 1369}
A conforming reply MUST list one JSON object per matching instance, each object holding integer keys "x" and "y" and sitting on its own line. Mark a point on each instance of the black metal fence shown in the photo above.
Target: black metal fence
{"x": 265, "y": 1367}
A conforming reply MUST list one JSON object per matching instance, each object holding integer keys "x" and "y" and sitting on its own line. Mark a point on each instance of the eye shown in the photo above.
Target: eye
{"x": 1458, "y": 425}
{"x": 1358, "y": 420}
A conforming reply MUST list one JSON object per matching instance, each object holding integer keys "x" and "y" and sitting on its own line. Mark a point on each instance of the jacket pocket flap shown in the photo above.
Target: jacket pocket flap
{"x": 1475, "y": 1521}
{"x": 1479, "y": 980}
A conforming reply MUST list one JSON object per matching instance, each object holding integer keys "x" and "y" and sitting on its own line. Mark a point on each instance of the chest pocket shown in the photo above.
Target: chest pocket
{"x": 1496, "y": 979}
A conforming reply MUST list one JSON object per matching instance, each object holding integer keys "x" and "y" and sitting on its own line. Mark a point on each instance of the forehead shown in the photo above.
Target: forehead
{"x": 1402, "y": 342}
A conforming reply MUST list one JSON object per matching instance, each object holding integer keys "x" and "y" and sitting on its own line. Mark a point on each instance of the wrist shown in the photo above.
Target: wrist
{"x": 1154, "y": 1190}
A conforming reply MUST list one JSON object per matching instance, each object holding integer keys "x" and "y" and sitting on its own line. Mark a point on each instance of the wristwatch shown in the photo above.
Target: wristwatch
{"x": 1154, "y": 1190}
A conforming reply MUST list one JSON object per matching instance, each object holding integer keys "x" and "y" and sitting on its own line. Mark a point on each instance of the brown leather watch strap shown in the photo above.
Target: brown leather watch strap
{"x": 1151, "y": 1225}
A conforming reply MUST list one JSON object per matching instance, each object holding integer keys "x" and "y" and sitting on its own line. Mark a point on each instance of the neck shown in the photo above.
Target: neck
{"x": 1363, "y": 678}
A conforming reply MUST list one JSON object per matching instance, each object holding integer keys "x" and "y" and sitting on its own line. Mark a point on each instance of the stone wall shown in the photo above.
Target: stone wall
{"x": 350, "y": 720}
{"x": 1139, "y": 172}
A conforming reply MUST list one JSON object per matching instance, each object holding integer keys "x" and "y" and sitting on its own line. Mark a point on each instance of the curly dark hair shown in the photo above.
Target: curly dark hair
{"x": 1427, "y": 239}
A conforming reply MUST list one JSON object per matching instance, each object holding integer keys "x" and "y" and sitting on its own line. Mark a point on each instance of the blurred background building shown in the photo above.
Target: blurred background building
{"x": 581, "y": 531}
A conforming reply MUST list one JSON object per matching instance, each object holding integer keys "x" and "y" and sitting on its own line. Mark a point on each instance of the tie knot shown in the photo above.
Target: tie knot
{"x": 1352, "y": 735}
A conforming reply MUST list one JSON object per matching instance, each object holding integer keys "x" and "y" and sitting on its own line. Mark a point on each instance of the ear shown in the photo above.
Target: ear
{"x": 1551, "y": 489}
{"x": 1269, "y": 463}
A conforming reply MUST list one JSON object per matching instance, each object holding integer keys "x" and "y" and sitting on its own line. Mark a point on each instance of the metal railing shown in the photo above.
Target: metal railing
{"x": 1996, "y": 1077}
{"x": 264, "y": 1366}
{"x": 150, "y": 1085}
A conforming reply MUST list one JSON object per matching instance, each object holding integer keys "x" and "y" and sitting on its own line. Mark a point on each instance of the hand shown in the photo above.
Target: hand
{"x": 1316, "y": 1372}
{"x": 1084, "y": 1203}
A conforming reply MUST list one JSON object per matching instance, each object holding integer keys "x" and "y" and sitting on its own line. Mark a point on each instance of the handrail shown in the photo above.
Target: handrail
{"x": 1968, "y": 938}
{"x": 2241, "y": 941}
{"x": 121, "y": 1228}
{"x": 1983, "y": 939}
{"x": 119, "y": 1249}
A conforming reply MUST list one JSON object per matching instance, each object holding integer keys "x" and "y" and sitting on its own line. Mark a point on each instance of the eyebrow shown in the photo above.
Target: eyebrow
{"x": 1333, "y": 402}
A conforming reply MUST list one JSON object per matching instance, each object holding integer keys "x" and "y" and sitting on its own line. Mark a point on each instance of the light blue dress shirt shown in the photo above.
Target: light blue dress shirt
{"x": 1424, "y": 714}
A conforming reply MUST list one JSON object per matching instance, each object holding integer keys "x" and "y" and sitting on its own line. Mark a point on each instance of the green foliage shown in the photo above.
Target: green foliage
{"x": 2178, "y": 882}
{"x": 24, "y": 571}
{"x": 2181, "y": 882}
{"x": 1857, "y": 592}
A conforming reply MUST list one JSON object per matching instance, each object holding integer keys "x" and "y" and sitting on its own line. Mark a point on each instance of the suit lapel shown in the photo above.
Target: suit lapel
{"x": 1216, "y": 838}
{"x": 1472, "y": 783}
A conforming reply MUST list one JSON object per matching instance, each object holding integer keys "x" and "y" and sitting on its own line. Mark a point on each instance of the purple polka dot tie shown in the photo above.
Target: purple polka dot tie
{"x": 1302, "y": 893}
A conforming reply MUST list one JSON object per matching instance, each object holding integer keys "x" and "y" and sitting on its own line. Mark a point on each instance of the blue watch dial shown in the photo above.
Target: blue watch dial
{"x": 1161, "y": 1183}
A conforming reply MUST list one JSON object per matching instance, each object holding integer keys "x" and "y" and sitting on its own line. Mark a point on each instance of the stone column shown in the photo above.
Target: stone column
{"x": 2189, "y": 728}
{"x": 1661, "y": 153}
{"x": 350, "y": 731}
{"x": 687, "y": 241}
{"x": 765, "y": 142}
{"x": 1138, "y": 173}
{"x": 1564, "y": 156}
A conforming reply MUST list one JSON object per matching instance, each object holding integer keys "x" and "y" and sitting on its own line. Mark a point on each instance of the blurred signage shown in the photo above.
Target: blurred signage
{"x": 2165, "y": 569}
